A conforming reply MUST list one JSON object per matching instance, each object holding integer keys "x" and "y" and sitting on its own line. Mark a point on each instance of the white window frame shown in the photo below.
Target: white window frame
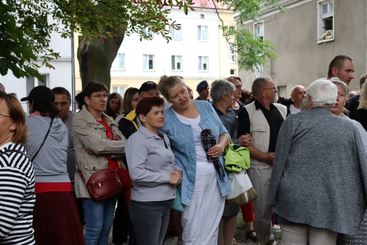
{"x": 324, "y": 35}
{"x": 148, "y": 62}
{"x": 202, "y": 33}
{"x": 259, "y": 29}
{"x": 119, "y": 62}
{"x": 118, "y": 89}
{"x": 44, "y": 82}
{"x": 258, "y": 71}
{"x": 203, "y": 63}
{"x": 232, "y": 53}
{"x": 176, "y": 34}
{"x": 148, "y": 32}
{"x": 176, "y": 62}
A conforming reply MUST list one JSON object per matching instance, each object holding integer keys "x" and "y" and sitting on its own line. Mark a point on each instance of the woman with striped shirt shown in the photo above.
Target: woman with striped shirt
{"x": 16, "y": 175}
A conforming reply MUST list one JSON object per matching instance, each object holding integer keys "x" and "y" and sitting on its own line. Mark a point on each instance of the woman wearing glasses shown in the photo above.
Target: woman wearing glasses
{"x": 16, "y": 175}
{"x": 96, "y": 138}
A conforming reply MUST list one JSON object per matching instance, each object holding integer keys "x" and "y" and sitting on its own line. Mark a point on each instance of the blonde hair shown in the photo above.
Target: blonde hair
{"x": 17, "y": 115}
{"x": 340, "y": 83}
{"x": 363, "y": 98}
{"x": 166, "y": 83}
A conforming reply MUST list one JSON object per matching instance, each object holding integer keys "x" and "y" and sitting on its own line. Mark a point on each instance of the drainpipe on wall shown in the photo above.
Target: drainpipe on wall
{"x": 72, "y": 73}
{"x": 365, "y": 41}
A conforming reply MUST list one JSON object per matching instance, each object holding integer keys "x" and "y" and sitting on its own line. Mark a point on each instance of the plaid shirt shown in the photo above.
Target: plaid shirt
{"x": 209, "y": 141}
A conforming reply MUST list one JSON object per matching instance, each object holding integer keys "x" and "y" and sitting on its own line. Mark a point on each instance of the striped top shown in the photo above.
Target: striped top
{"x": 17, "y": 196}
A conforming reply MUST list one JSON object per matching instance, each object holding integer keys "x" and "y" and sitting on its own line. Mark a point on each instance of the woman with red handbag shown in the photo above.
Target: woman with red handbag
{"x": 97, "y": 141}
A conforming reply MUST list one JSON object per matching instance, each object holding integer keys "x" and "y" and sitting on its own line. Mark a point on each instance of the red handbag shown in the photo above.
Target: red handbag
{"x": 103, "y": 184}
{"x": 126, "y": 182}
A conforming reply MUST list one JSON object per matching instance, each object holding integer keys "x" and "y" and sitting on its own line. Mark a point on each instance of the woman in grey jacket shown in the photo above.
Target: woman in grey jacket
{"x": 96, "y": 138}
{"x": 55, "y": 216}
{"x": 318, "y": 186}
{"x": 154, "y": 174}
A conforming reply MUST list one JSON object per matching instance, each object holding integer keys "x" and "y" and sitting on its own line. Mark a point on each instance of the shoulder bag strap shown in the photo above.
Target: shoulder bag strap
{"x": 81, "y": 176}
{"x": 44, "y": 139}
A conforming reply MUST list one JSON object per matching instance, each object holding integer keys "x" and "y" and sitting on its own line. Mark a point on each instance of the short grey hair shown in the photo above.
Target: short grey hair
{"x": 258, "y": 84}
{"x": 322, "y": 92}
{"x": 220, "y": 88}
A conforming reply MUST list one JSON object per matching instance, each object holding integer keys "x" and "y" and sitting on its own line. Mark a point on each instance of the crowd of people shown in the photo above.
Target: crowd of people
{"x": 308, "y": 162}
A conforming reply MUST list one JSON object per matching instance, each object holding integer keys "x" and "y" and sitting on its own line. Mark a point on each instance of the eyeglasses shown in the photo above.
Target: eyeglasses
{"x": 3, "y": 115}
{"x": 98, "y": 96}
{"x": 272, "y": 88}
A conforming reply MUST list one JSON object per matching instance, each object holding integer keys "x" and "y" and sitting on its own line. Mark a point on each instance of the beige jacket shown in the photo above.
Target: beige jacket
{"x": 91, "y": 147}
{"x": 260, "y": 130}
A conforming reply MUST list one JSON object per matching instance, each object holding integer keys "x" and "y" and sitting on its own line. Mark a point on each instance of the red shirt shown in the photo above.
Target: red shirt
{"x": 112, "y": 164}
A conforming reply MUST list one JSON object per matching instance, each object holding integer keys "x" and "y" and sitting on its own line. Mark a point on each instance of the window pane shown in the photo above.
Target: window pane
{"x": 121, "y": 58}
{"x": 202, "y": 33}
{"x": 328, "y": 23}
{"x": 172, "y": 62}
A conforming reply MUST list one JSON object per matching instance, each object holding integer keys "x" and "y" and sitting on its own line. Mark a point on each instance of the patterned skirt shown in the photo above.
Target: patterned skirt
{"x": 358, "y": 239}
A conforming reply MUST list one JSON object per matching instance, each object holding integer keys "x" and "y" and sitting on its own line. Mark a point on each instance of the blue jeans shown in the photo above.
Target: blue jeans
{"x": 98, "y": 220}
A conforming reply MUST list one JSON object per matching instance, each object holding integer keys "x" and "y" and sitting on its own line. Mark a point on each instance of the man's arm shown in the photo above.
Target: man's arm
{"x": 267, "y": 157}
{"x": 244, "y": 135}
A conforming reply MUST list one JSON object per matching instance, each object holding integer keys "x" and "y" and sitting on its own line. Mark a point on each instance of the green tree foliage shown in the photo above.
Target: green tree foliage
{"x": 26, "y": 26}
{"x": 252, "y": 52}
{"x": 25, "y": 37}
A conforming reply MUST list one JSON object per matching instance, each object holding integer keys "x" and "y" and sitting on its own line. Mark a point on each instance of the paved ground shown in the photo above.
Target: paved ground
{"x": 240, "y": 236}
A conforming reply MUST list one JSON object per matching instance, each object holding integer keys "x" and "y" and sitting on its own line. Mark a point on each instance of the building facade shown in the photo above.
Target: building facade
{"x": 198, "y": 51}
{"x": 62, "y": 74}
{"x": 306, "y": 36}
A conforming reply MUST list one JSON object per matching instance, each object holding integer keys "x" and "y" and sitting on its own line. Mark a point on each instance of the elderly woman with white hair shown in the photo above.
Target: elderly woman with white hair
{"x": 318, "y": 186}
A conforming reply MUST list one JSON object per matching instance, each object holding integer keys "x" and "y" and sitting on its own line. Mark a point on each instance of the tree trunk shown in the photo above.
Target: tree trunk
{"x": 95, "y": 58}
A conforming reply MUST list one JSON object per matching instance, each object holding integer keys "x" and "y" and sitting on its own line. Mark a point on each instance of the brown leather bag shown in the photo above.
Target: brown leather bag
{"x": 103, "y": 184}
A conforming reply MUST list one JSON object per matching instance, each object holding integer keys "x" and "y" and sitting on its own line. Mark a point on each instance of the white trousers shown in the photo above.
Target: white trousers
{"x": 306, "y": 235}
{"x": 200, "y": 220}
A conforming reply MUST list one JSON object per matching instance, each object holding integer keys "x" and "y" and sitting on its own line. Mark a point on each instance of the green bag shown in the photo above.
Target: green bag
{"x": 236, "y": 158}
{"x": 176, "y": 203}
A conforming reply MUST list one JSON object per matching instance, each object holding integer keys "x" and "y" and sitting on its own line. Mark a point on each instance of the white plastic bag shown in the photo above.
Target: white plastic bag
{"x": 241, "y": 189}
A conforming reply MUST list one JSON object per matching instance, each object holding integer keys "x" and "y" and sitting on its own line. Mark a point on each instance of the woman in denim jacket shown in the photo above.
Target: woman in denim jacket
{"x": 202, "y": 191}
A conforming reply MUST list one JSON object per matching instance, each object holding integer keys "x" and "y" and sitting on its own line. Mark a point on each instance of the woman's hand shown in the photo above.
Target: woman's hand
{"x": 216, "y": 150}
{"x": 175, "y": 177}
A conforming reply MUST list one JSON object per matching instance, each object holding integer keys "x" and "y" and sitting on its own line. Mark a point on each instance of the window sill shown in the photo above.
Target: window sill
{"x": 326, "y": 40}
